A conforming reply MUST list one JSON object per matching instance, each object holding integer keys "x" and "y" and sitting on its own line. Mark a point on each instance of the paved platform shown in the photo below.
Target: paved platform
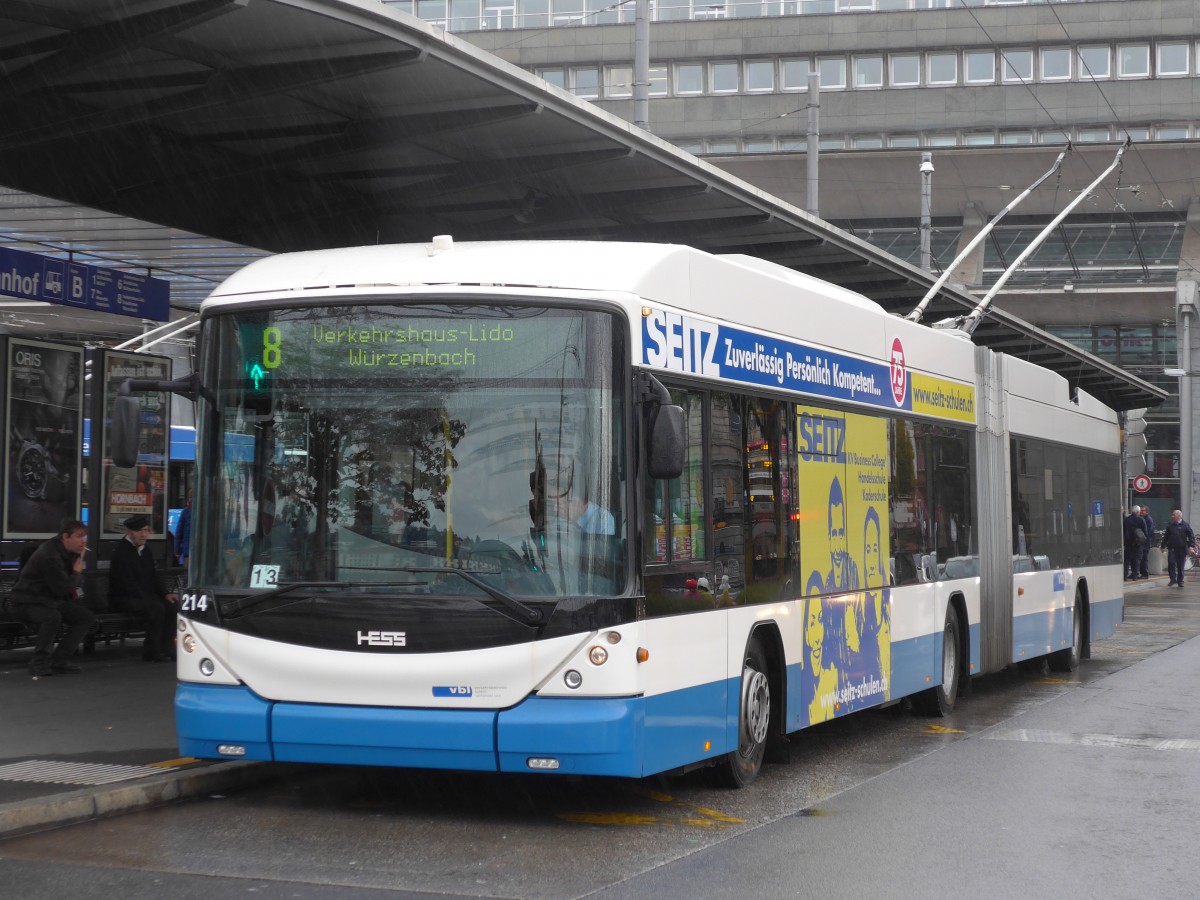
{"x": 78, "y": 747}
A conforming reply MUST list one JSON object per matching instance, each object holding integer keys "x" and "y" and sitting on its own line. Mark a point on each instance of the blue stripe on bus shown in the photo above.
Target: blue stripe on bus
{"x": 1105, "y": 616}
{"x": 210, "y": 714}
{"x": 916, "y": 664}
{"x": 1034, "y": 632}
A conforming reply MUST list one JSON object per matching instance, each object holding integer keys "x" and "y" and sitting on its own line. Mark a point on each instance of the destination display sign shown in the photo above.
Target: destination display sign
{"x": 381, "y": 342}
{"x": 31, "y": 276}
{"x": 680, "y": 343}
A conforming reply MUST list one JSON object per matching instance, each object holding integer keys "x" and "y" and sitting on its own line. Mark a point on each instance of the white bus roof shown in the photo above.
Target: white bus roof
{"x": 669, "y": 274}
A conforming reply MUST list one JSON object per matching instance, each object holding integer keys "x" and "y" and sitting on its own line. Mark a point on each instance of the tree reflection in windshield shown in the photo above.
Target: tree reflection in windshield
{"x": 327, "y": 470}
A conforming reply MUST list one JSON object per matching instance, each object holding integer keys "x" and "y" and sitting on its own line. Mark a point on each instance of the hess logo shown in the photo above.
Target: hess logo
{"x": 28, "y": 358}
{"x": 382, "y": 638}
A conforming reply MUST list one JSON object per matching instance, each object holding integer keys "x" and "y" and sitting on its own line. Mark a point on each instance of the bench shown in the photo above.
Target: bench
{"x": 110, "y": 625}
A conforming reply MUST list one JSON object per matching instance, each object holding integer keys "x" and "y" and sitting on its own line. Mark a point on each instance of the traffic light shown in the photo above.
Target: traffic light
{"x": 537, "y": 506}
{"x": 1135, "y": 441}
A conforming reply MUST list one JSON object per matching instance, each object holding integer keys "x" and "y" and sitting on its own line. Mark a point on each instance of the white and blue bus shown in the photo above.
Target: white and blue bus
{"x": 613, "y": 509}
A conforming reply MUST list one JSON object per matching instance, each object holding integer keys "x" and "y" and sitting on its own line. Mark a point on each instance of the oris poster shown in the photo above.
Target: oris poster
{"x": 45, "y": 426}
{"x": 142, "y": 489}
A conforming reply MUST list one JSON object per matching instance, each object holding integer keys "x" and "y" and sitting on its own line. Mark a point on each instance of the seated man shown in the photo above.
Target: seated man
{"x": 45, "y": 593}
{"x": 135, "y": 586}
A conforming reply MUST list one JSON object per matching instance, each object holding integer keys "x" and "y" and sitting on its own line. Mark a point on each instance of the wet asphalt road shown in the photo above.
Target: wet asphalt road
{"x": 1037, "y": 783}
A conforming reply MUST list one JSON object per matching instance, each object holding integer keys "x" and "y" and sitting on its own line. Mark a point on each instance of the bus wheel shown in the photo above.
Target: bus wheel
{"x": 939, "y": 701}
{"x": 1067, "y": 660}
{"x": 741, "y": 766}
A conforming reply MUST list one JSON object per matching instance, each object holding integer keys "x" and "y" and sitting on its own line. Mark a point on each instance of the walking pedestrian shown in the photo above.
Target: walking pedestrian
{"x": 1135, "y": 539}
{"x": 1177, "y": 540}
{"x": 1144, "y": 562}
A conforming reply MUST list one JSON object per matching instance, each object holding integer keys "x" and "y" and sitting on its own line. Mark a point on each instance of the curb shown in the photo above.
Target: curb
{"x": 36, "y": 814}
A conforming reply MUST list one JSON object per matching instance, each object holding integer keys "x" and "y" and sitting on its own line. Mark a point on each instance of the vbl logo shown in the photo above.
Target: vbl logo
{"x": 453, "y": 691}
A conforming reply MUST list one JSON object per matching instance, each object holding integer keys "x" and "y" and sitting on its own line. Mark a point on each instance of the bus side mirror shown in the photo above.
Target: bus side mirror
{"x": 667, "y": 442}
{"x": 125, "y": 431}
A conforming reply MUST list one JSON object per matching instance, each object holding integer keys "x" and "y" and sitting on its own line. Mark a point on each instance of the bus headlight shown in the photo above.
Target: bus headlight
{"x": 188, "y": 643}
{"x": 598, "y": 655}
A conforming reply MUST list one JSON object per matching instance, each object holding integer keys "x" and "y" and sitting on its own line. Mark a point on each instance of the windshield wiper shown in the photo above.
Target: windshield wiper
{"x": 237, "y": 605}
{"x": 526, "y": 614}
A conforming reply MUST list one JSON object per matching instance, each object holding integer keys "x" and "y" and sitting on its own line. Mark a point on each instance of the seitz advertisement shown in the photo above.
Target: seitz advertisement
{"x": 141, "y": 489}
{"x": 843, "y": 479}
{"x": 45, "y": 426}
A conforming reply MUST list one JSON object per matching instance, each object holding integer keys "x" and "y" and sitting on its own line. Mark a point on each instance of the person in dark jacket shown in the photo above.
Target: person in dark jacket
{"x": 1177, "y": 540}
{"x": 1135, "y": 539}
{"x": 1144, "y": 560}
{"x": 135, "y": 585}
{"x": 46, "y": 595}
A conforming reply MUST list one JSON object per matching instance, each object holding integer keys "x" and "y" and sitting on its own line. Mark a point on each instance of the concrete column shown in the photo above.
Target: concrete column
{"x": 970, "y": 270}
{"x": 1188, "y": 342}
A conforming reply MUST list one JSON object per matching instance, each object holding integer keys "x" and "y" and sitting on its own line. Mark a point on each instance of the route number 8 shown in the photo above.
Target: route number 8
{"x": 272, "y": 347}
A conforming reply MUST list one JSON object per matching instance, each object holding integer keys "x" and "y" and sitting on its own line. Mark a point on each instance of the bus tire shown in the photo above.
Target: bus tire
{"x": 939, "y": 701}
{"x": 1067, "y": 659}
{"x": 741, "y": 766}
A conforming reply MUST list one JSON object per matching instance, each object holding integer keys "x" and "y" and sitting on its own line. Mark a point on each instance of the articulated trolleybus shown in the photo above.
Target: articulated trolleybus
{"x": 613, "y": 509}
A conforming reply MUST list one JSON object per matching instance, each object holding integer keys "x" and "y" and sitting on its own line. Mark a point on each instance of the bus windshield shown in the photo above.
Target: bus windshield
{"x": 374, "y": 446}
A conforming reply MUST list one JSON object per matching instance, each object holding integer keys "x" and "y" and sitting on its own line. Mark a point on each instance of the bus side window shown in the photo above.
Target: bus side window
{"x": 675, "y": 528}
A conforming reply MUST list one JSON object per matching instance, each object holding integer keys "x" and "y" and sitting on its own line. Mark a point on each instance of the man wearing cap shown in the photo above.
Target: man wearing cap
{"x": 135, "y": 585}
{"x": 44, "y": 596}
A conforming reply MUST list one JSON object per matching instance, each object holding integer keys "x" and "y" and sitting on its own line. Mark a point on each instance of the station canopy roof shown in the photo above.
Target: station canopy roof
{"x": 295, "y": 124}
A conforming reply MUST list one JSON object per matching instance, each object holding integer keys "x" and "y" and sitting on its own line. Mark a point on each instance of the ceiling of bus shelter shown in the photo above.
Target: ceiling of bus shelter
{"x": 296, "y": 124}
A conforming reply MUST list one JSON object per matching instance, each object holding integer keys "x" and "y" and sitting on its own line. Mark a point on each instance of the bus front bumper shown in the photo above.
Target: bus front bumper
{"x": 578, "y": 736}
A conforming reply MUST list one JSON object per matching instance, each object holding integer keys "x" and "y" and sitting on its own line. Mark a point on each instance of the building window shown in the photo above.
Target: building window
{"x": 691, "y": 146}
{"x": 1016, "y": 137}
{"x": 905, "y": 69}
{"x": 1017, "y": 66}
{"x": 723, "y": 77}
{"x": 1088, "y": 135}
{"x": 1056, "y": 64}
{"x": 760, "y": 75}
{"x": 1133, "y": 60}
{"x": 1172, "y": 59}
{"x": 980, "y": 66}
{"x": 793, "y": 145}
{"x": 941, "y": 140}
{"x": 979, "y": 139}
{"x": 795, "y": 74}
{"x": 1054, "y": 137}
{"x": 904, "y": 140}
{"x": 1172, "y": 132}
{"x": 689, "y": 78}
{"x": 585, "y": 82}
{"x": 555, "y": 77}
{"x": 762, "y": 146}
{"x": 1094, "y": 62}
{"x": 832, "y": 144}
{"x": 722, "y": 147}
{"x": 943, "y": 68}
{"x": 1134, "y": 134}
{"x": 871, "y": 142}
{"x": 868, "y": 71}
{"x": 832, "y": 70}
{"x": 658, "y": 81}
{"x": 618, "y": 81}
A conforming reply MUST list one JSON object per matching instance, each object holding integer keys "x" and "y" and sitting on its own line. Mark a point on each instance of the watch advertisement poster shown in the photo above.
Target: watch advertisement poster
{"x": 142, "y": 489}
{"x": 44, "y": 406}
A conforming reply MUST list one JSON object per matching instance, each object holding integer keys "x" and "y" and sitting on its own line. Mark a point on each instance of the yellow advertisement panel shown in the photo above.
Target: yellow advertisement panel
{"x": 843, "y": 488}
{"x": 943, "y": 399}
